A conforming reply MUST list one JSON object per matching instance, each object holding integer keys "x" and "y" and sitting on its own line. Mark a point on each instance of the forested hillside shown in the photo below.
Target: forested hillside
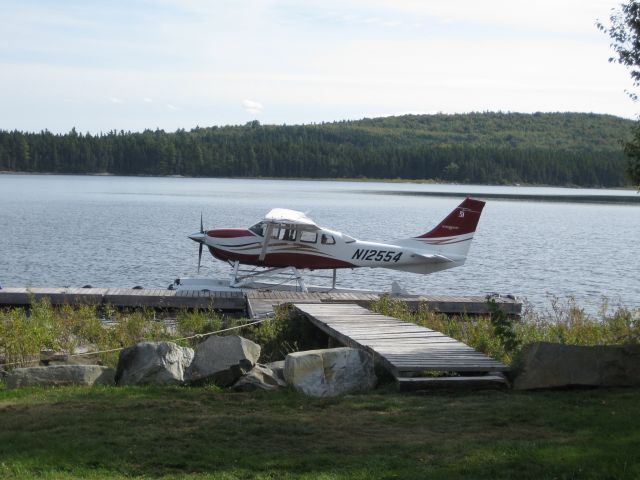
{"x": 540, "y": 148}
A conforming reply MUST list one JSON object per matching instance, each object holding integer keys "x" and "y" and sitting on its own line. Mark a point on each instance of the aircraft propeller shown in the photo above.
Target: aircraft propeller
{"x": 199, "y": 237}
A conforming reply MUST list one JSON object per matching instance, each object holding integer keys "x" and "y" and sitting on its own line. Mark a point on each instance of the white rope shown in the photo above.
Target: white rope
{"x": 197, "y": 335}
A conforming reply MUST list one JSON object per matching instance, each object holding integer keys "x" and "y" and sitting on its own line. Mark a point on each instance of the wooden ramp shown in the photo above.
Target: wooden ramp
{"x": 262, "y": 303}
{"x": 407, "y": 350}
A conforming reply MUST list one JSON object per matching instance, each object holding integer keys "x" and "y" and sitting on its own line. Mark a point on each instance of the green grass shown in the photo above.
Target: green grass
{"x": 152, "y": 432}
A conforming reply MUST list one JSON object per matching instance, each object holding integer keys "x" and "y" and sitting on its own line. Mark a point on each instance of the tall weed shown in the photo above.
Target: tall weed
{"x": 24, "y": 334}
{"x": 20, "y": 339}
{"x": 194, "y": 322}
{"x": 283, "y": 334}
{"x": 130, "y": 328}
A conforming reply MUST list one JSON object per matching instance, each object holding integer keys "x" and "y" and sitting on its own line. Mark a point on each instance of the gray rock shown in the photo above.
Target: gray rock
{"x": 75, "y": 360}
{"x": 261, "y": 377}
{"x": 331, "y": 372}
{"x": 222, "y": 360}
{"x": 156, "y": 363}
{"x": 65, "y": 358}
{"x": 60, "y": 375}
{"x": 552, "y": 365}
{"x": 278, "y": 369}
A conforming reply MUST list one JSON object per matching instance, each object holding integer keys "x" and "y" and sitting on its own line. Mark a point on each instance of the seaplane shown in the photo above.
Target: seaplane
{"x": 288, "y": 240}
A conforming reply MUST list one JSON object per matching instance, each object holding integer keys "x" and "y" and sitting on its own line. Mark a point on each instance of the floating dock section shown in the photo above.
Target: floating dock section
{"x": 126, "y": 297}
{"x": 406, "y": 350}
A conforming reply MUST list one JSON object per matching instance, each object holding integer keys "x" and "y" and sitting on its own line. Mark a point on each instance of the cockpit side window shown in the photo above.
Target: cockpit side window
{"x": 327, "y": 239}
{"x": 288, "y": 234}
{"x": 308, "y": 237}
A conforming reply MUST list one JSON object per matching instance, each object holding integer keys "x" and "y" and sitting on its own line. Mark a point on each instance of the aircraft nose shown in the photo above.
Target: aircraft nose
{"x": 197, "y": 237}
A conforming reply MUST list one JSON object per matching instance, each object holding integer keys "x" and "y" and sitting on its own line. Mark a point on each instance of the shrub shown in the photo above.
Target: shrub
{"x": 285, "y": 333}
{"x": 194, "y": 322}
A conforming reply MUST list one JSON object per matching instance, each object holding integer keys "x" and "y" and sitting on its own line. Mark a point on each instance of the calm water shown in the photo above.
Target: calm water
{"x": 126, "y": 231}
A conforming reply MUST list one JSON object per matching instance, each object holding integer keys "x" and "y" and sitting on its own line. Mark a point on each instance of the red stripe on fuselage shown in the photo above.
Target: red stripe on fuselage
{"x": 230, "y": 233}
{"x": 278, "y": 260}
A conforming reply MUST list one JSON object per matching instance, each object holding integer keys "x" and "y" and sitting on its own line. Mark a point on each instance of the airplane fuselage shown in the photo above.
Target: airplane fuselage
{"x": 323, "y": 249}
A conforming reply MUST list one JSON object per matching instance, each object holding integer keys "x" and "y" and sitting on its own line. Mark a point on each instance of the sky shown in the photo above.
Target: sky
{"x": 133, "y": 65}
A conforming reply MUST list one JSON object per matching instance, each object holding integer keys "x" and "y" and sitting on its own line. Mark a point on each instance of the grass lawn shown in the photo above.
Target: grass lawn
{"x": 149, "y": 432}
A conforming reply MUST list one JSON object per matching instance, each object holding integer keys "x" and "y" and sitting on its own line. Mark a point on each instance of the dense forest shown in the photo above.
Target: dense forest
{"x": 540, "y": 148}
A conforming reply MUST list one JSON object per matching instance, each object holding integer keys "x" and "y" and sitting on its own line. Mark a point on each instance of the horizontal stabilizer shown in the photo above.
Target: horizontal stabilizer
{"x": 432, "y": 257}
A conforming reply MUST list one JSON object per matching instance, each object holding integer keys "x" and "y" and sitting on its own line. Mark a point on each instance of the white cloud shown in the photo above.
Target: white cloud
{"x": 116, "y": 100}
{"x": 171, "y": 107}
{"x": 253, "y": 107}
{"x": 565, "y": 17}
{"x": 147, "y": 100}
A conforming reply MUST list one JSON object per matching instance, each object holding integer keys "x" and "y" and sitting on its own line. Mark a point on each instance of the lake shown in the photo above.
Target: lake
{"x": 126, "y": 231}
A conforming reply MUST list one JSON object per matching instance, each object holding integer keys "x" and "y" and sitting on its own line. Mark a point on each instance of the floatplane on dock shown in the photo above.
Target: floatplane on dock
{"x": 288, "y": 242}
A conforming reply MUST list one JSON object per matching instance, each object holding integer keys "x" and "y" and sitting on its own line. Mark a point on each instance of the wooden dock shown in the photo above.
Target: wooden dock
{"x": 256, "y": 303}
{"x": 126, "y": 297}
{"x": 406, "y": 350}
{"x": 262, "y": 303}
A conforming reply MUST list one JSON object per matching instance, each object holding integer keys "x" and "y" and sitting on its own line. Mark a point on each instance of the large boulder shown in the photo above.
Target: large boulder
{"x": 223, "y": 360}
{"x": 331, "y": 372}
{"x": 60, "y": 375}
{"x": 261, "y": 377}
{"x": 156, "y": 363}
{"x": 552, "y": 365}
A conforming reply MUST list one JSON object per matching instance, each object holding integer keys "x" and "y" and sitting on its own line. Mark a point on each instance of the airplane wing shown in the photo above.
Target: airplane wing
{"x": 432, "y": 258}
{"x": 290, "y": 217}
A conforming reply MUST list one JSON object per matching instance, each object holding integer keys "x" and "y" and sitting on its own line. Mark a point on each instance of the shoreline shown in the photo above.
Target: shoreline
{"x": 604, "y": 199}
{"x": 329, "y": 179}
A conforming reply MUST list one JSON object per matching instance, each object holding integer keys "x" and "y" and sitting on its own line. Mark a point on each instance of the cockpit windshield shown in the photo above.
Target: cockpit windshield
{"x": 258, "y": 229}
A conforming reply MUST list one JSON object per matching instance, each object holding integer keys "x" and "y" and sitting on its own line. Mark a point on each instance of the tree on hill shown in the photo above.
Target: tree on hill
{"x": 544, "y": 148}
{"x": 625, "y": 35}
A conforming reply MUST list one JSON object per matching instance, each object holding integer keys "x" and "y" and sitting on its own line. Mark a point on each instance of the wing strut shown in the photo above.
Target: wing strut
{"x": 265, "y": 242}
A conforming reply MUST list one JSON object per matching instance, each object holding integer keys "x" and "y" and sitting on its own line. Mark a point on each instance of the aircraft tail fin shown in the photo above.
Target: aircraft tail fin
{"x": 452, "y": 237}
